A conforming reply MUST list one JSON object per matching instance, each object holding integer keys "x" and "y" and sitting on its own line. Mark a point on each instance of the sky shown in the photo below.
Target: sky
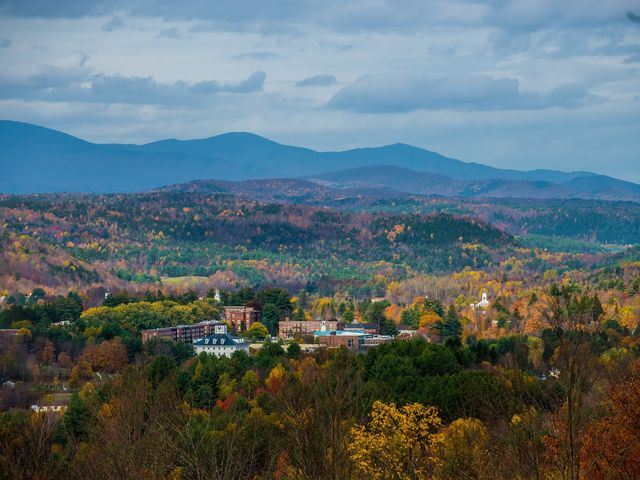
{"x": 519, "y": 84}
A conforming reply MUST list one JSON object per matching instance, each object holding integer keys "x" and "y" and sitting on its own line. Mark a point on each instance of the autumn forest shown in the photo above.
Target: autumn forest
{"x": 512, "y": 355}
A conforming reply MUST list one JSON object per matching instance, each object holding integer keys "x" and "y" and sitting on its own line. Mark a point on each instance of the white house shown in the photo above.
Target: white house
{"x": 220, "y": 343}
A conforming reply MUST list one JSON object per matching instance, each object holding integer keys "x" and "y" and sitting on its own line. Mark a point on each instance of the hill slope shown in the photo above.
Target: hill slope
{"x": 144, "y": 237}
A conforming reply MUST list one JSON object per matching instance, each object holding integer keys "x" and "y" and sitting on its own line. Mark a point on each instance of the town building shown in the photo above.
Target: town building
{"x": 181, "y": 333}
{"x": 372, "y": 328}
{"x": 9, "y": 332}
{"x": 406, "y": 332}
{"x": 220, "y": 343}
{"x": 354, "y": 340}
{"x": 57, "y": 407}
{"x": 299, "y": 328}
{"x": 240, "y": 318}
{"x": 339, "y": 338}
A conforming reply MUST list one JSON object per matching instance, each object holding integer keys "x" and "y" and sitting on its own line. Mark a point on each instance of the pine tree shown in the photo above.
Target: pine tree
{"x": 450, "y": 326}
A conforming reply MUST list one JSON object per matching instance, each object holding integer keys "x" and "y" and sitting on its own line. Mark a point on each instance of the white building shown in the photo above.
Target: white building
{"x": 482, "y": 304}
{"x": 48, "y": 408}
{"x": 220, "y": 343}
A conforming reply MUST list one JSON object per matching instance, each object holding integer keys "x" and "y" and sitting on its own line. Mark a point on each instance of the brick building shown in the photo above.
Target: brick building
{"x": 240, "y": 318}
{"x": 351, "y": 340}
{"x": 356, "y": 340}
{"x": 181, "y": 333}
{"x": 298, "y": 328}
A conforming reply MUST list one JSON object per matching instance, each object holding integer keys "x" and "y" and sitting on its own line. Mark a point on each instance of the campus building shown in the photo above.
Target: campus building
{"x": 240, "y": 318}
{"x": 220, "y": 343}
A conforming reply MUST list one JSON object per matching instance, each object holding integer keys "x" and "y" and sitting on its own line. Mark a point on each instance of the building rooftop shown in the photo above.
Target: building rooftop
{"x": 219, "y": 339}
{"x": 348, "y": 333}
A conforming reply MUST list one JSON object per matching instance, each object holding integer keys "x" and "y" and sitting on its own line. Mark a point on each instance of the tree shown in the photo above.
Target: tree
{"x": 397, "y": 443}
{"x": 26, "y": 446}
{"x": 278, "y": 297}
{"x": 374, "y": 313}
{"x": 275, "y": 380}
{"x": 462, "y": 449}
{"x": 256, "y": 331}
{"x": 160, "y": 368}
{"x": 74, "y": 378}
{"x": 110, "y": 356}
{"x": 450, "y": 327}
{"x": 64, "y": 360}
{"x": 250, "y": 382}
{"x": 574, "y": 318}
{"x": 294, "y": 350}
{"x": 271, "y": 318}
{"x": 434, "y": 306}
{"x": 613, "y": 440}
{"x": 318, "y": 406}
{"x": 299, "y": 315}
{"x": 47, "y": 353}
{"x": 77, "y": 419}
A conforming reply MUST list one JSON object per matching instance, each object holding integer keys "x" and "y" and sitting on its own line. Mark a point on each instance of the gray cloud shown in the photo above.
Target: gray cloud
{"x": 5, "y": 43}
{"x": 387, "y": 93}
{"x": 256, "y": 55}
{"x": 633, "y": 17}
{"x": 170, "y": 33}
{"x": 318, "y": 81}
{"x": 77, "y": 84}
{"x": 115, "y": 23}
{"x": 47, "y": 9}
{"x": 254, "y": 83}
{"x": 635, "y": 58}
{"x": 356, "y": 15}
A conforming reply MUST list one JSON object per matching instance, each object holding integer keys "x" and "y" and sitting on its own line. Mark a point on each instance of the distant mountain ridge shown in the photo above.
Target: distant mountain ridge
{"x": 36, "y": 159}
{"x": 404, "y": 180}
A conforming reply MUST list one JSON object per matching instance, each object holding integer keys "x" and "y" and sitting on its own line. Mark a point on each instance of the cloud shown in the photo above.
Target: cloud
{"x": 5, "y": 43}
{"x": 386, "y": 93}
{"x": 115, "y": 23}
{"x": 318, "y": 81}
{"x": 633, "y": 17}
{"x": 635, "y": 58}
{"x": 255, "y": 83}
{"x": 170, "y": 33}
{"x": 75, "y": 82}
{"x": 256, "y": 55}
{"x": 355, "y": 15}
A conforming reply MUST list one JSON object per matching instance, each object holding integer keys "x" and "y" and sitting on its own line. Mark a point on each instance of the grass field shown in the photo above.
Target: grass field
{"x": 188, "y": 280}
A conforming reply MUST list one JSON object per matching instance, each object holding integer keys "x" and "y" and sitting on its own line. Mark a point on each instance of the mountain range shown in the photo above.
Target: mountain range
{"x": 36, "y": 159}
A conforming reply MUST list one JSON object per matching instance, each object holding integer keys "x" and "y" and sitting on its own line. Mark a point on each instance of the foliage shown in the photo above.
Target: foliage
{"x": 397, "y": 443}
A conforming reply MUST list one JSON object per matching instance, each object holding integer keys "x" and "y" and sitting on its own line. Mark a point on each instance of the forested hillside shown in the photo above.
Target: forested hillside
{"x": 594, "y": 221}
{"x": 143, "y": 237}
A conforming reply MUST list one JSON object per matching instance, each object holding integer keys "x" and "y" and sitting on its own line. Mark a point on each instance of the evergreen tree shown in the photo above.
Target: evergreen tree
{"x": 450, "y": 326}
{"x": 271, "y": 318}
{"x": 435, "y": 306}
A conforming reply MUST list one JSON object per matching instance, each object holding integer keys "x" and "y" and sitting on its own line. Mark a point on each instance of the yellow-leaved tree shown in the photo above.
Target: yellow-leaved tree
{"x": 397, "y": 442}
{"x": 462, "y": 448}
